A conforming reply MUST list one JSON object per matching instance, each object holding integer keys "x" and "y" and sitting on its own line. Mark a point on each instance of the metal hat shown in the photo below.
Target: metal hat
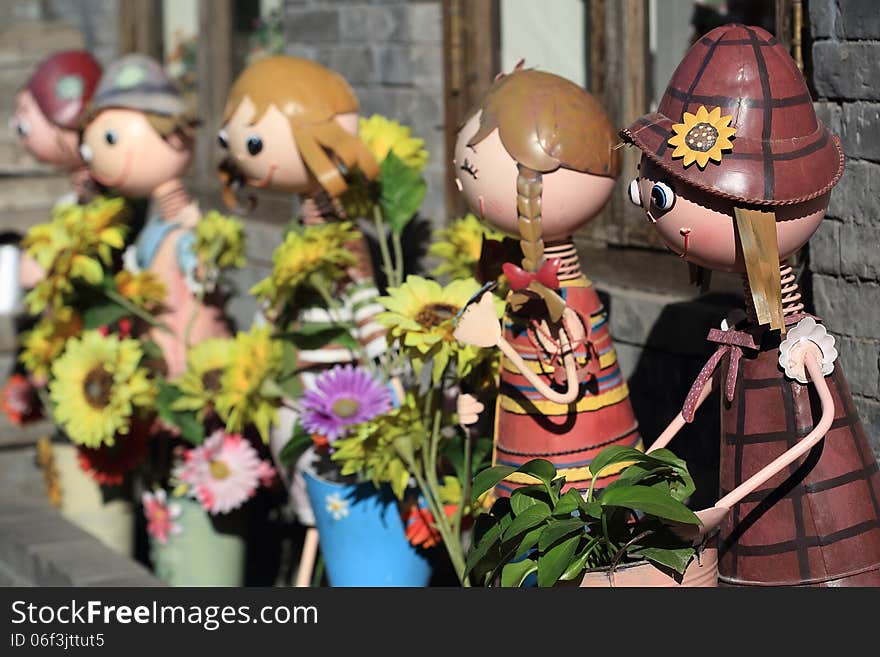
{"x": 140, "y": 83}
{"x": 738, "y": 122}
{"x": 63, "y": 84}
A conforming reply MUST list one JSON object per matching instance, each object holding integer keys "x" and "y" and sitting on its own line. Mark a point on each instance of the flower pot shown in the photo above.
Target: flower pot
{"x": 207, "y": 551}
{"x": 699, "y": 573}
{"x": 362, "y": 536}
{"x": 84, "y": 503}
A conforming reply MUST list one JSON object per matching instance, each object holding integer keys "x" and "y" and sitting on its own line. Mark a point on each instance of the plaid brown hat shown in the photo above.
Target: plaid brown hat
{"x": 140, "y": 83}
{"x": 737, "y": 121}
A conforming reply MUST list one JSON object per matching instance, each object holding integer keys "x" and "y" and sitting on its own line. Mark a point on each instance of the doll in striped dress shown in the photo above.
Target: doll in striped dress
{"x": 536, "y": 160}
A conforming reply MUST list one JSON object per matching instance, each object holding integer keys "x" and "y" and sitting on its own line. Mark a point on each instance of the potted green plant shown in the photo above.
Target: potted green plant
{"x": 637, "y": 531}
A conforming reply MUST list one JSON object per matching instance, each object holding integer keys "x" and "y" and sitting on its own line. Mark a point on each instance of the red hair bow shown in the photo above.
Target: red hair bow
{"x": 520, "y": 279}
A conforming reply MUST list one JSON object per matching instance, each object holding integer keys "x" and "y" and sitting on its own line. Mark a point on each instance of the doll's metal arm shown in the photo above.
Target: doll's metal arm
{"x": 679, "y": 421}
{"x": 571, "y": 375}
{"x": 804, "y": 445}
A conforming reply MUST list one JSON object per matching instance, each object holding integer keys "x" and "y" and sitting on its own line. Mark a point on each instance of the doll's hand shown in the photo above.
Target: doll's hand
{"x": 189, "y": 216}
{"x": 710, "y": 519}
{"x": 468, "y": 408}
{"x": 478, "y": 324}
{"x": 807, "y": 337}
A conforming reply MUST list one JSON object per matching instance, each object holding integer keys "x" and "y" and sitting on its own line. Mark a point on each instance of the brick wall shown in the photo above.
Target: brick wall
{"x": 391, "y": 52}
{"x": 844, "y": 259}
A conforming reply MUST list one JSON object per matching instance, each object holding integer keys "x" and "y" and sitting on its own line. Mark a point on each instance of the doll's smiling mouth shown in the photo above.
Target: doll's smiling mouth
{"x": 686, "y": 234}
{"x": 265, "y": 182}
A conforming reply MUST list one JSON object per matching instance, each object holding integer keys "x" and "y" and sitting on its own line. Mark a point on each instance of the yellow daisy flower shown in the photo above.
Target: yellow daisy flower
{"x": 702, "y": 137}
{"x": 97, "y": 385}
{"x": 249, "y": 392}
{"x": 45, "y": 342}
{"x": 382, "y": 135}
{"x": 202, "y": 381}
{"x": 220, "y": 240}
{"x": 317, "y": 250}
{"x": 459, "y": 246}
{"x": 421, "y": 315}
{"x": 143, "y": 288}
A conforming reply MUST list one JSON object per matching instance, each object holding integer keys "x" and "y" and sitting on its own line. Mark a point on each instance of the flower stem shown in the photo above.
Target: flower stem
{"x": 387, "y": 263}
{"x": 136, "y": 310}
{"x": 398, "y": 258}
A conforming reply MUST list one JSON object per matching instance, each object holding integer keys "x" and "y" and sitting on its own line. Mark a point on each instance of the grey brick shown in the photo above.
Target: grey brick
{"x": 374, "y": 24}
{"x": 858, "y": 250}
{"x": 847, "y": 69}
{"x": 829, "y": 113}
{"x": 823, "y": 14}
{"x": 357, "y": 63}
{"x": 311, "y": 25}
{"x": 860, "y": 364}
{"x": 856, "y": 196}
{"x": 847, "y": 308}
{"x": 425, "y": 22}
{"x": 418, "y": 65}
{"x": 869, "y": 412}
{"x": 825, "y": 248}
{"x": 857, "y": 19}
{"x": 860, "y": 128}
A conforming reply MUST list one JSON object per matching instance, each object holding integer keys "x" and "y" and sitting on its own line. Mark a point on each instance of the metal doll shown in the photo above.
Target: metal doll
{"x": 48, "y": 112}
{"x": 736, "y": 175}
{"x": 139, "y": 141}
{"x": 537, "y": 160}
{"x": 291, "y": 125}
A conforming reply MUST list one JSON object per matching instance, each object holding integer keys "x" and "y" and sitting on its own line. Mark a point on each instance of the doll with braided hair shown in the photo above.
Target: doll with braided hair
{"x": 536, "y": 160}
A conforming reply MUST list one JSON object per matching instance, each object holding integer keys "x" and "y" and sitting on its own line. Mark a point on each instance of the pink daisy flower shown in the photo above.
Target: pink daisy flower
{"x": 342, "y": 397}
{"x": 161, "y": 516}
{"x": 224, "y": 472}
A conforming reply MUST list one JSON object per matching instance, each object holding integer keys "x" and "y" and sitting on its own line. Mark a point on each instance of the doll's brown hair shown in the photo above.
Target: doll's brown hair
{"x": 545, "y": 122}
{"x": 310, "y": 96}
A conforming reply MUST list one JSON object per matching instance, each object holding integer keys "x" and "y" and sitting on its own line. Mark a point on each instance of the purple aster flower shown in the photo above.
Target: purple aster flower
{"x": 343, "y": 396}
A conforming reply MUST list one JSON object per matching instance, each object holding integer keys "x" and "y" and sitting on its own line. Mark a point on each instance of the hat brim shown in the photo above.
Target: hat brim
{"x": 755, "y": 172}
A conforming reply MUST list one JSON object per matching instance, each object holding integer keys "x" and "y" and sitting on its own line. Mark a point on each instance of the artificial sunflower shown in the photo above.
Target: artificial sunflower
{"x": 97, "y": 386}
{"x": 382, "y": 135}
{"x": 45, "y": 342}
{"x": 249, "y": 390}
{"x": 317, "y": 252}
{"x": 73, "y": 246}
{"x": 421, "y": 316}
{"x": 220, "y": 240}
{"x": 201, "y": 382}
{"x": 143, "y": 288}
{"x": 459, "y": 246}
{"x": 702, "y": 136}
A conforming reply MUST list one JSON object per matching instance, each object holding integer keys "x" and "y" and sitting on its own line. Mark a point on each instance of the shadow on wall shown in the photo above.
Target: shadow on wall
{"x": 674, "y": 352}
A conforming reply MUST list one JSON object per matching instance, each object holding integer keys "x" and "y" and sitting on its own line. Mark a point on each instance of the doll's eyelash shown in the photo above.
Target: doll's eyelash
{"x": 470, "y": 168}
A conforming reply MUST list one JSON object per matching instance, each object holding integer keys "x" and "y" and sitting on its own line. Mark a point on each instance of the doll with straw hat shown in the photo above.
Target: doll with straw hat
{"x": 735, "y": 176}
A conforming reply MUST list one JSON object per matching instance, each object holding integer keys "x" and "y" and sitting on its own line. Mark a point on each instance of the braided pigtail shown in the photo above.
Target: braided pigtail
{"x": 529, "y": 187}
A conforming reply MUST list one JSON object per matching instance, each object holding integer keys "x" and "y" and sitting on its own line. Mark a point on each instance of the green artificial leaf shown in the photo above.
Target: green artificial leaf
{"x": 293, "y": 449}
{"x": 104, "y": 314}
{"x": 533, "y": 515}
{"x": 577, "y": 566}
{"x": 515, "y": 573}
{"x": 487, "y": 544}
{"x": 553, "y": 563}
{"x": 568, "y": 503}
{"x": 675, "y": 558}
{"x": 590, "y": 509}
{"x": 523, "y": 498}
{"x": 614, "y": 455}
{"x": 649, "y": 500}
{"x": 488, "y": 478}
{"x": 191, "y": 429}
{"x": 528, "y": 541}
{"x": 403, "y": 190}
{"x": 318, "y": 335}
{"x": 151, "y": 351}
{"x": 558, "y": 529}
{"x": 539, "y": 469}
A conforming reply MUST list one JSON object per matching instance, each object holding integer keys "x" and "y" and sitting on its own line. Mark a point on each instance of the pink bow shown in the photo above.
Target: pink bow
{"x": 520, "y": 279}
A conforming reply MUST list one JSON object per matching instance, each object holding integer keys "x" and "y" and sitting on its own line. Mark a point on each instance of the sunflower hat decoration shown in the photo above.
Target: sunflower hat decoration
{"x": 702, "y": 137}
{"x": 97, "y": 386}
{"x": 202, "y": 381}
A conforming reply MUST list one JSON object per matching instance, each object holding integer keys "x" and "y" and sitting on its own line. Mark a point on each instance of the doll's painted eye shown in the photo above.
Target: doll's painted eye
{"x": 662, "y": 196}
{"x": 23, "y": 128}
{"x": 111, "y": 137}
{"x": 470, "y": 168}
{"x": 635, "y": 192}
{"x": 254, "y": 144}
{"x": 223, "y": 139}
